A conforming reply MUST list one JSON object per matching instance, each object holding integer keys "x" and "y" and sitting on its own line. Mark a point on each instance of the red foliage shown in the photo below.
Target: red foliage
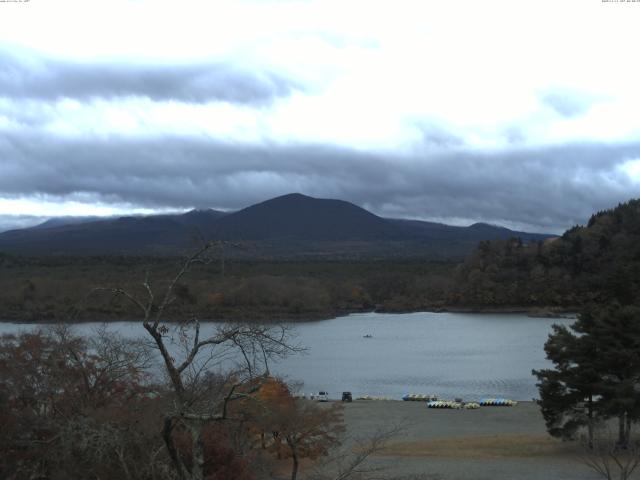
{"x": 221, "y": 462}
{"x": 52, "y": 387}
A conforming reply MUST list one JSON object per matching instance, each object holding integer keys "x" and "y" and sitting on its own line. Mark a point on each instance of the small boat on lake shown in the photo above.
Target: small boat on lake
{"x": 368, "y": 335}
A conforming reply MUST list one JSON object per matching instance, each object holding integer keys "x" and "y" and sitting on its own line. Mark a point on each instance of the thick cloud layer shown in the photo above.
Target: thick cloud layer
{"x": 535, "y": 133}
{"x": 541, "y": 189}
{"x": 48, "y": 79}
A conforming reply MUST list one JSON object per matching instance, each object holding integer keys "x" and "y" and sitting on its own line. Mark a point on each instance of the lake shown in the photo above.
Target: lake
{"x": 444, "y": 354}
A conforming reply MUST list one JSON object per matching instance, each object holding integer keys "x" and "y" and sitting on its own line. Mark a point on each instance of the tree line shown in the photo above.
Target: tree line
{"x": 49, "y": 289}
{"x": 589, "y": 264}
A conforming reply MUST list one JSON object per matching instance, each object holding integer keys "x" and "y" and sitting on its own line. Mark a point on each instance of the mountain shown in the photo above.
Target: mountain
{"x": 193, "y": 218}
{"x": 299, "y": 217}
{"x": 477, "y": 232}
{"x": 199, "y": 218}
{"x": 60, "y": 221}
{"x": 154, "y": 234}
{"x": 121, "y": 235}
{"x": 289, "y": 226}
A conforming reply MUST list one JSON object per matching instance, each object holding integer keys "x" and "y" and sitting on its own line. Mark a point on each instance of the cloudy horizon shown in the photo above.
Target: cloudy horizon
{"x": 521, "y": 114}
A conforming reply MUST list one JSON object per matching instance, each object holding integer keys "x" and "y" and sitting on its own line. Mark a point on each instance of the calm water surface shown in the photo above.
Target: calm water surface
{"x": 445, "y": 354}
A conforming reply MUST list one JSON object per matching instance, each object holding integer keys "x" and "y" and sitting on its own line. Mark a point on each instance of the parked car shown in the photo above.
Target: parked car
{"x": 347, "y": 397}
{"x": 323, "y": 397}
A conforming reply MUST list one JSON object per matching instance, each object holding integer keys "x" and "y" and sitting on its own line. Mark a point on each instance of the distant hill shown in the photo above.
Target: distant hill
{"x": 199, "y": 218}
{"x": 596, "y": 262}
{"x": 155, "y": 234}
{"x": 61, "y": 221}
{"x": 474, "y": 233}
{"x": 292, "y": 225}
{"x": 299, "y": 217}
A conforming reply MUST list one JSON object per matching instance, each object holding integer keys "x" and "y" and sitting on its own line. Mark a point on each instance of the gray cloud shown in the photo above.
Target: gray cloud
{"x": 542, "y": 189}
{"x": 567, "y": 102}
{"x": 48, "y": 79}
{"x": 11, "y": 222}
{"x": 435, "y": 136}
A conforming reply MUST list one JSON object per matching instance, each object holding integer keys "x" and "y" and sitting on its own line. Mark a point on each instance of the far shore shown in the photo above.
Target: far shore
{"x": 288, "y": 317}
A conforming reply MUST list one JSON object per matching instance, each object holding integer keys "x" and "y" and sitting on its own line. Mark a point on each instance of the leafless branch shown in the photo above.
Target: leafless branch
{"x": 351, "y": 464}
{"x": 609, "y": 460}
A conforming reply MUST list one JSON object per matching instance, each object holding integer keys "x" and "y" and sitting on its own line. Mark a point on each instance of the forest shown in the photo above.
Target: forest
{"x": 52, "y": 289}
{"x": 594, "y": 263}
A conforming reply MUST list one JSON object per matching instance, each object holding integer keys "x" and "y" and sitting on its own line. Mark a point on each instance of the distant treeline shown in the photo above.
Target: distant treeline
{"x": 595, "y": 263}
{"x": 56, "y": 288}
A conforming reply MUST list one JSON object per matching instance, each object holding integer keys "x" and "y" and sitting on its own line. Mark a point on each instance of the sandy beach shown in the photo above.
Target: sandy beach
{"x": 492, "y": 443}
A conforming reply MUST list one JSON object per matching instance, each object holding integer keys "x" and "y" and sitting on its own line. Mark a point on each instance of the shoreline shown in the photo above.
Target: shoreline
{"x": 284, "y": 317}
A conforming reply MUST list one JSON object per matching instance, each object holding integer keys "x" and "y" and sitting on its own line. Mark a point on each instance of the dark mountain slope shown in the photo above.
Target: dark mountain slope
{"x": 88, "y": 235}
{"x": 122, "y": 235}
{"x": 199, "y": 218}
{"x": 61, "y": 221}
{"x": 292, "y": 226}
{"x": 299, "y": 217}
{"x": 474, "y": 233}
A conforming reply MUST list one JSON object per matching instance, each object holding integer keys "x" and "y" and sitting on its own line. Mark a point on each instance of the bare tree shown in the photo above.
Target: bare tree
{"x": 188, "y": 356}
{"x": 352, "y": 462}
{"x": 608, "y": 459}
{"x": 302, "y": 429}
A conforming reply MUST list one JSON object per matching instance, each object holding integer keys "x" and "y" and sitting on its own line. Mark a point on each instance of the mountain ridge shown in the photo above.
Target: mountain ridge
{"x": 292, "y": 224}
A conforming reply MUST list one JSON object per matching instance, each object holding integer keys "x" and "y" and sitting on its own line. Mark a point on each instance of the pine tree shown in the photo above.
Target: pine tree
{"x": 615, "y": 331}
{"x": 596, "y": 372}
{"x": 568, "y": 392}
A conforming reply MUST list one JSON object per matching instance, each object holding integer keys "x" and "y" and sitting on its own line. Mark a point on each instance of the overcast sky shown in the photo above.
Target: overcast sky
{"x": 519, "y": 113}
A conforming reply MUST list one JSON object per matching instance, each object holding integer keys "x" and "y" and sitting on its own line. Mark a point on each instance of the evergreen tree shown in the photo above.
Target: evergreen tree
{"x": 615, "y": 331}
{"x": 568, "y": 392}
{"x": 596, "y": 372}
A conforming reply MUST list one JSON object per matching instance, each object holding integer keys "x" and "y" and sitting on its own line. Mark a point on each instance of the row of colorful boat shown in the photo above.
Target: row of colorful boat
{"x": 497, "y": 402}
{"x": 434, "y": 402}
{"x": 370, "y": 397}
{"x": 454, "y": 405}
{"x": 418, "y": 397}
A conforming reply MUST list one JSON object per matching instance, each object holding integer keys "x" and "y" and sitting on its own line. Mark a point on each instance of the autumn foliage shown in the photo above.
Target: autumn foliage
{"x": 68, "y": 406}
{"x": 71, "y": 407}
{"x": 293, "y": 428}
